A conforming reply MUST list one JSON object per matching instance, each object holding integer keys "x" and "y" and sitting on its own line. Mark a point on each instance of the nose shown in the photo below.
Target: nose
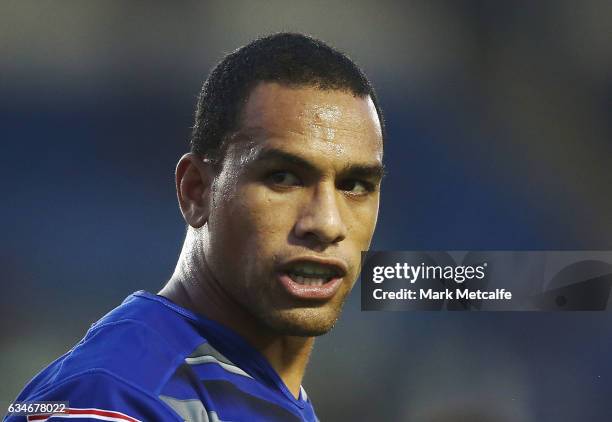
{"x": 321, "y": 217}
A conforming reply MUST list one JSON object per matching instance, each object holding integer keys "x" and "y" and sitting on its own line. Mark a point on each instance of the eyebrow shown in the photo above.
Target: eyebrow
{"x": 375, "y": 171}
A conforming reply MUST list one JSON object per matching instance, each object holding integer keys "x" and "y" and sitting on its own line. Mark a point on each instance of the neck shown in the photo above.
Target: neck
{"x": 194, "y": 287}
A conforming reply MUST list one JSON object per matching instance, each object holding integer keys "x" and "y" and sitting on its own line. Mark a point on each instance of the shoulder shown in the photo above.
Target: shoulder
{"x": 141, "y": 341}
{"x": 128, "y": 355}
{"x": 99, "y": 395}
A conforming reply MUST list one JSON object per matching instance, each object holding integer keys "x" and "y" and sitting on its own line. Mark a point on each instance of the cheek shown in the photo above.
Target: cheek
{"x": 362, "y": 223}
{"x": 260, "y": 219}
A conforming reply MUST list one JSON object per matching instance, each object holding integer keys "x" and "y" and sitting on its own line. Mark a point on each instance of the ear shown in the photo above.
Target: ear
{"x": 194, "y": 177}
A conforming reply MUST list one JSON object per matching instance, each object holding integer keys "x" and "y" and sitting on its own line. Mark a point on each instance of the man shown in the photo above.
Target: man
{"x": 280, "y": 193}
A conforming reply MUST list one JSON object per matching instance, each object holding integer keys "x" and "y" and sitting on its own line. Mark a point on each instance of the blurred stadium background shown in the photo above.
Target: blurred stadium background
{"x": 500, "y": 137}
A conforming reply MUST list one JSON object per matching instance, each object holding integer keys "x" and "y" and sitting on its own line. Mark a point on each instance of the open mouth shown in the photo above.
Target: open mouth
{"x": 315, "y": 279}
{"x": 312, "y": 275}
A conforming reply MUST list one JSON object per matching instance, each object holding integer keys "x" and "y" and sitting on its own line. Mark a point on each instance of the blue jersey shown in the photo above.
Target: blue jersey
{"x": 151, "y": 360}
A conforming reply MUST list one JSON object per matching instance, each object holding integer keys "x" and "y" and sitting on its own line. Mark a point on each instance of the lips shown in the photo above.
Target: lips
{"x": 312, "y": 277}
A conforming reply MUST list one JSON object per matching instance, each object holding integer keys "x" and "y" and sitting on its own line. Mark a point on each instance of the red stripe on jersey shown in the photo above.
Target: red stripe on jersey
{"x": 86, "y": 412}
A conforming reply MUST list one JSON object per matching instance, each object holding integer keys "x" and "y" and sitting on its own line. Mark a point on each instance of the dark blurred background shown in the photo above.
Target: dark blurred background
{"x": 500, "y": 137}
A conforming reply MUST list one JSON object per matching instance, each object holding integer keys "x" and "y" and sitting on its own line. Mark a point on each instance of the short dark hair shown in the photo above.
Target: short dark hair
{"x": 286, "y": 58}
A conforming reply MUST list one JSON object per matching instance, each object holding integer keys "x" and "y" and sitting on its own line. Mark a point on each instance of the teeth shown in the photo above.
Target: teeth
{"x": 307, "y": 269}
{"x": 308, "y": 281}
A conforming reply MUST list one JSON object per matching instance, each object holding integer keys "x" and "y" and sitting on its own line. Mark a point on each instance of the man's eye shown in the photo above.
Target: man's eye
{"x": 284, "y": 178}
{"x": 356, "y": 187}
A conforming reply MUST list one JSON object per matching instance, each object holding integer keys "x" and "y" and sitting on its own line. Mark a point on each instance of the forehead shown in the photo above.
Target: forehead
{"x": 332, "y": 123}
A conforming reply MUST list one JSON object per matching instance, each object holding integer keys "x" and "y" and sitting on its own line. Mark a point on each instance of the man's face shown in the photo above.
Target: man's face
{"x": 294, "y": 204}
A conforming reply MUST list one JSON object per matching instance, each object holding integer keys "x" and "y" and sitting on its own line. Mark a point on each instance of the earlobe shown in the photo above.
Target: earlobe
{"x": 193, "y": 187}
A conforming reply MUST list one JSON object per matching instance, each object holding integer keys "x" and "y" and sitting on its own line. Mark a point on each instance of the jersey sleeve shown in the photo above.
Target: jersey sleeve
{"x": 98, "y": 396}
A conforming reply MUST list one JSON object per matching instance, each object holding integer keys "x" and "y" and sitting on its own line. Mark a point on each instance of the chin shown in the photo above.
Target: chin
{"x": 302, "y": 322}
